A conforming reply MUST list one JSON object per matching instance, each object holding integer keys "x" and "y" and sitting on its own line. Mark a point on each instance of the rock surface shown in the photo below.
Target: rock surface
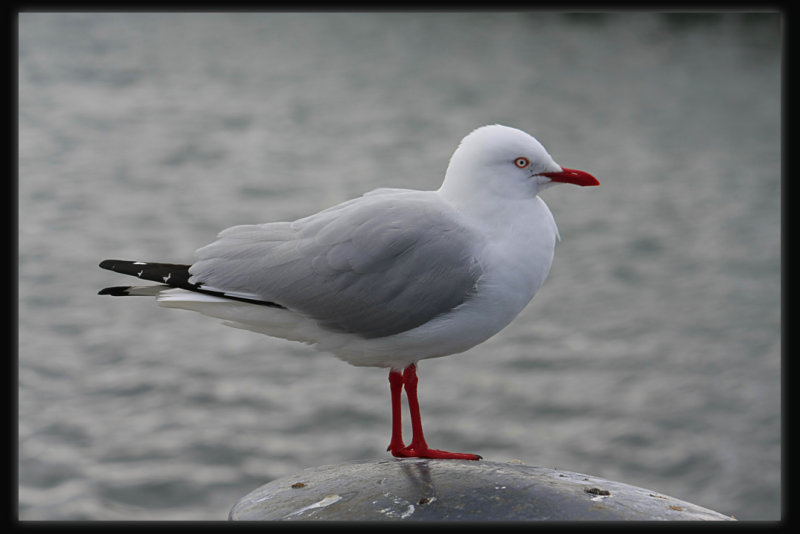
{"x": 447, "y": 490}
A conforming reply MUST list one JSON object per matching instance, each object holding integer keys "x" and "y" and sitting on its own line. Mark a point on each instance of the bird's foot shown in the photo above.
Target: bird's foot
{"x": 425, "y": 452}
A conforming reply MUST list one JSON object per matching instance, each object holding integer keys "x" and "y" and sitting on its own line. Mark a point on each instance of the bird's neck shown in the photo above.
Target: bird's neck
{"x": 494, "y": 206}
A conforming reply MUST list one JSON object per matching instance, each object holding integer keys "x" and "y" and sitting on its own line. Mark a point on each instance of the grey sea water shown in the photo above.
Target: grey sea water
{"x": 650, "y": 356}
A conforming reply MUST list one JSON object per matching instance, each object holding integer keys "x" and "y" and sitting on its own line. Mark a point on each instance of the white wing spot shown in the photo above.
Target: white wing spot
{"x": 167, "y": 277}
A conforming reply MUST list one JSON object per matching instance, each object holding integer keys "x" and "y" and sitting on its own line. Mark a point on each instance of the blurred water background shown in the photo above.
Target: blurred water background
{"x": 651, "y": 355}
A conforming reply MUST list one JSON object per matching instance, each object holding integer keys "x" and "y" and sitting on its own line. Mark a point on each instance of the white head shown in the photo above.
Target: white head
{"x": 504, "y": 162}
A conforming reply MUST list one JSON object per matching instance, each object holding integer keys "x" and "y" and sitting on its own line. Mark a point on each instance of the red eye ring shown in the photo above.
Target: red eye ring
{"x": 522, "y": 162}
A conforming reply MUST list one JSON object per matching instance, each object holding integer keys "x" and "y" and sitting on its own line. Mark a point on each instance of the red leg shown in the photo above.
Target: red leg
{"x": 418, "y": 447}
{"x": 396, "y": 387}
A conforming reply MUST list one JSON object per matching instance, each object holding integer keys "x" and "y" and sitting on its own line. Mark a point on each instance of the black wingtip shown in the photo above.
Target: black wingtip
{"x": 117, "y": 291}
{"x": 109, "y": 264}
{"x": 167, "y": 274}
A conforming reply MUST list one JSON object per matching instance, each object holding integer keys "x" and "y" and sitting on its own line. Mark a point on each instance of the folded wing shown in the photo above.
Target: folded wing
{"x": 374, "y": 266}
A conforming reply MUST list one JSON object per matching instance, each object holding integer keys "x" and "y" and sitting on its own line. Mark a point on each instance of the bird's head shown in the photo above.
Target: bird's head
{"x": 501, "y": 161}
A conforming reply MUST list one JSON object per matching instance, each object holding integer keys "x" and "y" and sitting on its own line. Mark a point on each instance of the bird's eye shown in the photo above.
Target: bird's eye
{"x": 522, "y": 162}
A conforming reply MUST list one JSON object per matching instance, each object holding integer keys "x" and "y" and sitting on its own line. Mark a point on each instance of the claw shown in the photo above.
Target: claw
{"x": 410, "y": 452}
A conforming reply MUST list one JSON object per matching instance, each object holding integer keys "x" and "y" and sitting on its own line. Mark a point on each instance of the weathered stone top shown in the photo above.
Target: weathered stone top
{"x": 447, "y": 490}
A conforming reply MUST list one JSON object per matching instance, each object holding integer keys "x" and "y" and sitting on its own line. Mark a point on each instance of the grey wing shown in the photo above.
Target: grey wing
{"x": 375, "y": 266}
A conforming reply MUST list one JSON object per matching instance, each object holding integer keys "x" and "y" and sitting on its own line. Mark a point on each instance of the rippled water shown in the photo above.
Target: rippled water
{"x": 650, "y": 356}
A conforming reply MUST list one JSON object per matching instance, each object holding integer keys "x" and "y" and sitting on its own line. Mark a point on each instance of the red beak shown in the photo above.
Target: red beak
{"x": 571, "y": 176}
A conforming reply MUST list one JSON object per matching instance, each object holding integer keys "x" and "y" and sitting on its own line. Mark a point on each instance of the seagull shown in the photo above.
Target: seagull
{"x": 389, "y": 278}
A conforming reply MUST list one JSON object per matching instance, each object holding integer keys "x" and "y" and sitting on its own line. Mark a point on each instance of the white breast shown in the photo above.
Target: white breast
{"x": 516, "y": 257}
